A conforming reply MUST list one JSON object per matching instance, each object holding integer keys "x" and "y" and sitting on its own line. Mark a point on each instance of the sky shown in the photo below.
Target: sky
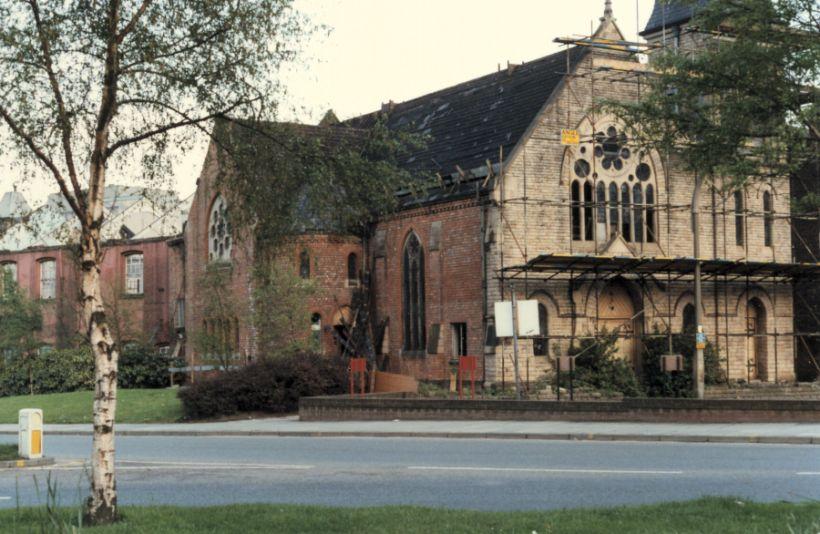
{"x": 382, "y": 50}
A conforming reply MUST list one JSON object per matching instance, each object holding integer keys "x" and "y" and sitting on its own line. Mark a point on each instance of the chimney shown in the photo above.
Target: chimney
{"x": 388, "y": 106}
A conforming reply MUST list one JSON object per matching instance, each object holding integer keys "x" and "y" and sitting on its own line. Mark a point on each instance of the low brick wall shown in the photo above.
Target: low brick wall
{"x": 344, "y": 408}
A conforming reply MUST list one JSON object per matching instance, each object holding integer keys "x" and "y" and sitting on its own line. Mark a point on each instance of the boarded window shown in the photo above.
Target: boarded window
{"x": 413, "y": 295}
{"x": 48, "y": 279}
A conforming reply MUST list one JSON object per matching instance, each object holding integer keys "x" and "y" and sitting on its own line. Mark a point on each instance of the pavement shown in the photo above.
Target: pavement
{"x": 787, "y": 433}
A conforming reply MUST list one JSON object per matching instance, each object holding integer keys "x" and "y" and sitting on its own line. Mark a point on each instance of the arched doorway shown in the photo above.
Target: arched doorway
{"x": 755, "y": 340}
{"x": 617, "y": 311}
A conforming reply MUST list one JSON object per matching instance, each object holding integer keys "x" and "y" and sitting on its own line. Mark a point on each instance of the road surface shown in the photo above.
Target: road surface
{"x": 481, "y": 474}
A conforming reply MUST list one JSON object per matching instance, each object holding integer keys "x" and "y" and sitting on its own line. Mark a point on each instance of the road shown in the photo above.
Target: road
{"x": 482, "y": 474}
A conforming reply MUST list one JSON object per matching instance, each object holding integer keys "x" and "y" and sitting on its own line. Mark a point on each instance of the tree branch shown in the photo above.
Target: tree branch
{"x": 65, "y": 123}
{"x": 43, "y": 157}
{"x": 133, "y": 22}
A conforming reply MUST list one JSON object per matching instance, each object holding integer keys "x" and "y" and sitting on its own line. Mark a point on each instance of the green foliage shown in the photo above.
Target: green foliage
{"x": 272, "y": 385}
{"x": 216, "y": 339}
{"x": 598, "y": 366}
{"x": 677, "y": 384}
{"x": 21, "y": 318}
{"x": 727, "y": 515}
{"x": 141, "y": 367}
{"x": 50, "y": 372}
{"x": 280, "y": 307}
{"x": 735, "y": 104}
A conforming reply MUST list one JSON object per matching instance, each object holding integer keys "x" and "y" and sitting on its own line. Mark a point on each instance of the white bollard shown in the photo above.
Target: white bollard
{"x": 30, "y": 436}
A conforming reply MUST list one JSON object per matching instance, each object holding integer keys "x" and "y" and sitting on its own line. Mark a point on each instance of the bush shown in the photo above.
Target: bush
{"x": 272, "y": 385}
{"x": 661, "y": 384}
{"x": 141, "y": 367}
{"x": 57, "y": 371}
{"x": 598, "y": 367}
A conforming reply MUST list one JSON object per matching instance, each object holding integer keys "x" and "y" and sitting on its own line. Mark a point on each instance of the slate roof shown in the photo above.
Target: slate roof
{"x": 468, "y": 122}
{"x": 669, "y": 13}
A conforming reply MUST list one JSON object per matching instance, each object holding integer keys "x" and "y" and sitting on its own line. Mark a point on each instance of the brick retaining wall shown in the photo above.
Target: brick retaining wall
{"x": 343, "y": 408}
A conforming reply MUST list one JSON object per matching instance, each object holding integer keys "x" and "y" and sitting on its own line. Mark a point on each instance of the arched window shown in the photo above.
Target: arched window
{"x": 626, "y": 216}
{"x": 650, "y": 214}
{"x": 540, "y": 345}
{"x": 304, "y": 264}
{"x": 768, "y": 218}
{"x": 588, "y": 202}
{"x": 690, "y": 324}
{"x": 352, "y": 269}
{"x": 316, "y": 330}
{"x": 600, "y": 200}
{"x": 219, "y": 231}
{"x": 637, "y": 211}
{"x": 613, "y": 208}
{"x": 413, "y": 295}
{"x": 575, "y": 209}
{"x": 739, "y": 218}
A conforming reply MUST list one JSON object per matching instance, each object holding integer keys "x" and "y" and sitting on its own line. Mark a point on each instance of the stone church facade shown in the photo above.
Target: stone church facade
{"x": 510, "y": 192}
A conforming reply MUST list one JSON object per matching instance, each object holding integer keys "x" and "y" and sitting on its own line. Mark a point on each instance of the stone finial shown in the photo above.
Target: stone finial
{"x": 607, "y": 10}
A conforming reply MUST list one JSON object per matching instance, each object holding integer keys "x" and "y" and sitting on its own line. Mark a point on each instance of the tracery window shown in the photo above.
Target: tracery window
{"x": 768, "y": 218}
{"x": 219, "y": 232}
{"x": 612, "y": 190}
{"x": 413, "y": 295}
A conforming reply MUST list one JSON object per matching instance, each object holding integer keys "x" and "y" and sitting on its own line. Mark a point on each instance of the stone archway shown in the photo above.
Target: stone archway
{"x": 619, "y": 311}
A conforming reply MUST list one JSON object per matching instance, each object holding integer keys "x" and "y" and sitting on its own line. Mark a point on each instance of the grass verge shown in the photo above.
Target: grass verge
{"x": 724, "y": 515}
{"x": 8, "y": 451}
{"x": 133, "y": 406}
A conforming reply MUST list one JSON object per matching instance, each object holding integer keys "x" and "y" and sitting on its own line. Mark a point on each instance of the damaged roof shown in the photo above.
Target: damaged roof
{"x": 468, "y": 122}
{"x": 668, "y": 13}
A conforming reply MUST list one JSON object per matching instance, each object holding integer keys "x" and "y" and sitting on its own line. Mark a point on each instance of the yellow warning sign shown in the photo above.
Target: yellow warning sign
{"x": 570, "y": 137}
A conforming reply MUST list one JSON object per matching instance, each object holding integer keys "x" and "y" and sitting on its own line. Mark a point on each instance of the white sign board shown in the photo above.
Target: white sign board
{"x": 503, "y": 319}
{"x": 528, "y": 324}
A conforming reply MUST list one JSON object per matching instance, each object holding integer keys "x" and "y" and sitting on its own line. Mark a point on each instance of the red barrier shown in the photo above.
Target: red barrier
{"x": 467, "y": 364}
{"x": 358, "y": 365}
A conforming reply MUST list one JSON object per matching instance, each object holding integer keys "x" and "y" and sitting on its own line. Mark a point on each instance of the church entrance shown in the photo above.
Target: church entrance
{"x": 617, "y": 313}
{"x": 755, "y": 340}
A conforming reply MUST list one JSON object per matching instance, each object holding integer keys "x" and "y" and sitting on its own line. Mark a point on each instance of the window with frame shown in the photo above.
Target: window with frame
{"x": 458, "y": 332}
{"x": 134, "y": 274}
{"x": 48, "y": 279}
{"x": 740, "y": 218}
{"x": 612, "y": 190}
{"x": 179, "y": 314}
{"x": 768, "y": 218}
{"x": 352, "y": 270}
{"x": 220, "y": 243}
{"x": 304, "y": 264}
{"x": 8, "y": 276}
{"x": 413, "y": 295}
{"x": 540, "y": 345}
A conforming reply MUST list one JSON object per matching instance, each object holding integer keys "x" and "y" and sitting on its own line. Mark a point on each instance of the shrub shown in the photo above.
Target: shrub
{"x": 272, "y": 385}
{"x": 141, "y": 366}
{"x": 57, "y": 371}
{"x": 661, "y": 384}
{"x": 598, "y": 367}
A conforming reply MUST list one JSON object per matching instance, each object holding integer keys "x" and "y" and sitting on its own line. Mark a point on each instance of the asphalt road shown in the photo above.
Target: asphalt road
{"x": 483, "y": 474}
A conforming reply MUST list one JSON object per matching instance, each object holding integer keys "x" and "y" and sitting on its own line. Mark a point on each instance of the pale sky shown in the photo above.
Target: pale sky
{"x": 381, "y": 50}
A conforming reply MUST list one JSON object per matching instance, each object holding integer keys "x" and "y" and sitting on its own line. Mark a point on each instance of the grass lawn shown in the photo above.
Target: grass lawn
{"x": 724, "y": 515}
{"x": 8, "y": 451}
{"x": 133, "y": 406}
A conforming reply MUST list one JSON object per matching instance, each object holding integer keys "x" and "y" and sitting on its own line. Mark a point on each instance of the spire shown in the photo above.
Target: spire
{"x": 607, "y": 11}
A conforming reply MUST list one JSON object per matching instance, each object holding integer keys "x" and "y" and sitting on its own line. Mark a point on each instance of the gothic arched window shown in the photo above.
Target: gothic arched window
{"x": 689, "y": 319}
{"x": 352, "y": 269}
{"x": 219, "y": 231}
{"x": 637, "y": 211}
{"x": 650, "y": 214}
{"x": 626, "y": 215}
{"x": 413, "y": 295}
{"x": 588, "y": 226}
{"x": 768, "y": 218}
{"x": 575, "y": 210}
{"x": 613, "y": 208}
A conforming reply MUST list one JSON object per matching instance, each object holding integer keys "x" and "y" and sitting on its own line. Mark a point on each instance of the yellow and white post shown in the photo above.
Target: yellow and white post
{"x": 30, "y": 436}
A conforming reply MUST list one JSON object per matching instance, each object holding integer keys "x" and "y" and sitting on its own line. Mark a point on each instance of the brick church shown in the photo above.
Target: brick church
{"x": 597, "y": 231}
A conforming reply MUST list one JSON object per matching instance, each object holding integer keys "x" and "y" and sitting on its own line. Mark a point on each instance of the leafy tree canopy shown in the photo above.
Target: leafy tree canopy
{"x": 740, "y": 101}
